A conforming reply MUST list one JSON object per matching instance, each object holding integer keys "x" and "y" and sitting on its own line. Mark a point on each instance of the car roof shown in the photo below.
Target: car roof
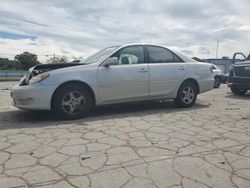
{"x": 182, "y": 56}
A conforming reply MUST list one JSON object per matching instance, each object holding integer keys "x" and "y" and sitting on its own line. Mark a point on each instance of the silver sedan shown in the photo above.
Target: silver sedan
{"x": 134, "y": 72}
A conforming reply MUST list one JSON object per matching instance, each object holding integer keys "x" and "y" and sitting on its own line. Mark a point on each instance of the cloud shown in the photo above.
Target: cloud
{"x": 15, "y": 36}
{"x": 81, "y": 27}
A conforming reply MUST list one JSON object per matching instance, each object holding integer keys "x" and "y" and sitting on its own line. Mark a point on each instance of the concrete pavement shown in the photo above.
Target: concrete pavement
{"x": 149, "y": 144}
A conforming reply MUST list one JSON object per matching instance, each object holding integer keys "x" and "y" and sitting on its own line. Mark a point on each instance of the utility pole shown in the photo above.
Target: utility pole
{"x": 54, "y": 58}
{"x": 217, "y": 48}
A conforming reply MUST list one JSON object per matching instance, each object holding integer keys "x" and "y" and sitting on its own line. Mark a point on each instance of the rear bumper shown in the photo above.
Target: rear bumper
{"x": 206, "y": 85}
{"x": 33, "y": 97}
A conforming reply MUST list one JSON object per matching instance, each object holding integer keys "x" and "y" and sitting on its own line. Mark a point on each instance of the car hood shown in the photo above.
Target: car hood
{"x": 48, "y": 67}
{"x": 41, "y": 68}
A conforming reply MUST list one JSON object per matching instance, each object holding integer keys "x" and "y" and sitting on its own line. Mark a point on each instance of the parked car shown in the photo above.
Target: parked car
{"x": 134, "y": 72}
{"x": 239, "y": 75}
{"x": 217, "y": 74}
{"x": 224, "y": 78}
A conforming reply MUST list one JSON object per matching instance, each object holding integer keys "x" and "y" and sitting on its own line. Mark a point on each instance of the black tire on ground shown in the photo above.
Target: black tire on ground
{"x": 72, "y": 101}
{"x": 237, "y": 91}
{"x": 187, "y": 95}
{"x": 217, "y": 82}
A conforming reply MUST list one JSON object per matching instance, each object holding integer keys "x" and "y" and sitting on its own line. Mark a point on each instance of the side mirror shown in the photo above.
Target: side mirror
{"x": 34, "y": 72}
{"x": 111, "y": 61}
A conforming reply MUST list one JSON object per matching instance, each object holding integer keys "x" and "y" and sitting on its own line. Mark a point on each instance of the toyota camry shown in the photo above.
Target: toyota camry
{"x": 117, "y": 74}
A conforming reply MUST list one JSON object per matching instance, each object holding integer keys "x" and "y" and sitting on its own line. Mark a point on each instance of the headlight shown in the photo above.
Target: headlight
{"x": 38, "y": 78}
{"x": 22, "y": 81}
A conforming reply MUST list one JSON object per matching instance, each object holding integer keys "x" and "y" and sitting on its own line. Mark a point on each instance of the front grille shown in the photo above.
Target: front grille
{"x": 241, "y": 72}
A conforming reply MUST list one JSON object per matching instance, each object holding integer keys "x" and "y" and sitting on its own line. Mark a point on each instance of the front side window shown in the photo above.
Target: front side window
{"x": 161, "y": 55}
{"x": 130, "y": 55}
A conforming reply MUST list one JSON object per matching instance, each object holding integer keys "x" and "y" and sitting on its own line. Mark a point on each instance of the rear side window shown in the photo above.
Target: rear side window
{"x": 130, "y": 55}
{"x": 161, "y": 55}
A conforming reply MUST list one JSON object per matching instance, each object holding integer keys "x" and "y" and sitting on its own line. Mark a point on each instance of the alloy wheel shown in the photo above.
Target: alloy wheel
{"x": 73, "y": 102}
{"x": 188, "y": 94}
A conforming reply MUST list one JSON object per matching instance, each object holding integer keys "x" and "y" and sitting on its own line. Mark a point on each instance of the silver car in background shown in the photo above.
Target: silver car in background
{"x": 133, "y": 72}
{"x": 217, "y": 74}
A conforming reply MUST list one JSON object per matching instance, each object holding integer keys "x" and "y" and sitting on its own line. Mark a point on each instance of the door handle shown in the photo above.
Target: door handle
{"x": 142, "y": 70}
{"x": 182, "y": 68}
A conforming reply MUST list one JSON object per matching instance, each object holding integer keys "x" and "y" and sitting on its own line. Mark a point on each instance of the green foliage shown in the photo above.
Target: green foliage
{"x": 58, "y": 59}
{"x": 27, "y": 60}
{"x": 21, "y": 62}
{"x": 6, "y": 64}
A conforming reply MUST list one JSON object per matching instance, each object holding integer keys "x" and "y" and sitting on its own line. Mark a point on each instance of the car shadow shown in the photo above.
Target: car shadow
{"x": 30, "y": 119}
{"x": 241, "y": 97}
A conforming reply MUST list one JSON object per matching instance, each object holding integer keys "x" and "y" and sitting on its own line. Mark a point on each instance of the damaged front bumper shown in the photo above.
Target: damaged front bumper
{"x": 33, "y": 97}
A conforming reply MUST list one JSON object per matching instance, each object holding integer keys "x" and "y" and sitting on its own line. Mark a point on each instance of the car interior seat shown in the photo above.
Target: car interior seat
{"x": 125, "y": 60}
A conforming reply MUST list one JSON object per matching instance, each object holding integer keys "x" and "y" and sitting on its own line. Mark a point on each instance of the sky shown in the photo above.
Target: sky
{"x": 78, "y": 28}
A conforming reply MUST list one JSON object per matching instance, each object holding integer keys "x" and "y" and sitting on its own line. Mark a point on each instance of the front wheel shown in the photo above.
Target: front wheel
{"x": 187, "y": 95}
{"x": 238, "y": 91}
{"x": 72, "y": 102}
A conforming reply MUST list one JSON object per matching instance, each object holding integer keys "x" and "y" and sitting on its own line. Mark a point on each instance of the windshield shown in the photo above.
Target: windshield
{"x": 100, "y": 55}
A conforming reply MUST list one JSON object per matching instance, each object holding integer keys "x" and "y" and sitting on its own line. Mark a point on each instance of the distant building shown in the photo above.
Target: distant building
{"x": 224, "y": 63}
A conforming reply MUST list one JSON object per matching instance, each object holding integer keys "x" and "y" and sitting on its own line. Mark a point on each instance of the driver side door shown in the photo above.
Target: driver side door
{"x": 127, "y": 81}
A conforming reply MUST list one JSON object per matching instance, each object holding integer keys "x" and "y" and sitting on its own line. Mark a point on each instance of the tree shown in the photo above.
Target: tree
{"x": 6, "y": 64}
{"x": 58, "y": 59}
{"x": 27, "y": 60}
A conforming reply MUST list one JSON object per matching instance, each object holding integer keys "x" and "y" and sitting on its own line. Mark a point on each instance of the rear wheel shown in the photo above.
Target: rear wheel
{"x": 72, "y": 102}
{"x": 187, "y": 95}
{"x": 237, "y": 91}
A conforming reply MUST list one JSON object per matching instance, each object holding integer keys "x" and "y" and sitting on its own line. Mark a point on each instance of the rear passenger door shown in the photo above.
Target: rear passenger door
{"x": 166, "y": 70}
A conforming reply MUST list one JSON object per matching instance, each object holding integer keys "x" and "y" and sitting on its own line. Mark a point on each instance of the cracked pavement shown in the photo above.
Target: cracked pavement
{"x": 152, "y": 144}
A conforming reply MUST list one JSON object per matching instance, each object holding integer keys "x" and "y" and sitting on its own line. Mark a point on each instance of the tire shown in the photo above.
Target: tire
{"x": 237, "y": 91}
{"x": 72, "y": 102}
{"x": 217, "y": 82}
{"x": 187, "y": 95}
